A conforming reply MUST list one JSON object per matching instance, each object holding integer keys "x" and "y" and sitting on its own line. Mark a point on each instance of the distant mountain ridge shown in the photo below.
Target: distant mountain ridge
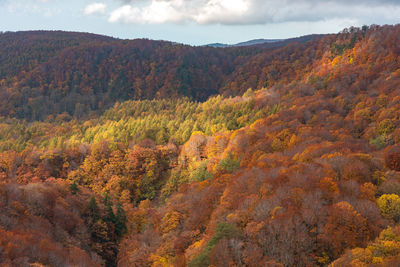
{"x": 267, "y": 43}
{"x": 246, "y": 43}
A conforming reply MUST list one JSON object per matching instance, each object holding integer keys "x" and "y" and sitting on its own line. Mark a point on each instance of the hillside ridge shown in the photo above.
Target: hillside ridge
{"x": 83, "y": 74}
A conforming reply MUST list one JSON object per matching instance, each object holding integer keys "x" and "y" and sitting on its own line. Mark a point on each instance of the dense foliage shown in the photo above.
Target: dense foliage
{"x": 132, "y": 121}
{"x": 52, "y": 73}
{"x": 303, "y": 169}
{"x": 21, "y": 52}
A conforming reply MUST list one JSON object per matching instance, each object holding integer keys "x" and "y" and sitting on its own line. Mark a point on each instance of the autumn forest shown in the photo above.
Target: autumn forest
{"x": 151, "y": 153}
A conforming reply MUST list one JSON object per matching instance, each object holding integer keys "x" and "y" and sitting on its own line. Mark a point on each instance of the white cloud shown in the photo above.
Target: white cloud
{"x": 95, "y": 8}
{"x": 252, "y": 11}
{"x": 228, "y": 11}
{"x": 157, "y": 12}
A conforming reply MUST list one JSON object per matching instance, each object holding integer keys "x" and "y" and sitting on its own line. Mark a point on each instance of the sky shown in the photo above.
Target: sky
{"x": 197, "y": 22}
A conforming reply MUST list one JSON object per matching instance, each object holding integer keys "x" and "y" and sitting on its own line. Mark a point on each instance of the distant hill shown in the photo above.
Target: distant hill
{"x": 44, "y": 73}
{"x": 247, "y": 43}
{"x": 258, "y": 42}
{"x": 218, "y": 45}
{"x": 267, "y": 43}
{"x": 22, "y": 51}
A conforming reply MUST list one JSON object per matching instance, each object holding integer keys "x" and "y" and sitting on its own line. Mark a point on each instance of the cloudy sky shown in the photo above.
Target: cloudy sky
{"x": 197, "y": 21}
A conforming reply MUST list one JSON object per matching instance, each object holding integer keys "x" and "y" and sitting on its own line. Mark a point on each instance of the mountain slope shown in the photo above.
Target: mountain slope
{"x": 91, "y": 73}
{"x": 23, "y": 51}
{"x": 298, "y": 187}
{"x": 304, "y": 171}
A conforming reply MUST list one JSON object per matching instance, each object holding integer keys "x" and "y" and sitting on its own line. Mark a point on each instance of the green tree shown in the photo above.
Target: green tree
{"x": 74, "y": 188}
{"x": 120, "y": 221}
{"x": 223, "y": 231}
{"x": 110, "y": 217}
{"x": 93, "y": 210}
{"x": 229, "y": 164}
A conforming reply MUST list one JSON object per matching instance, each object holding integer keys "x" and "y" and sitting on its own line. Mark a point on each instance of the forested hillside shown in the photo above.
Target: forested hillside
{"x": 45, "y": 73}
{"x": 21, "y": 52}
{"x": 292, "y": 159}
